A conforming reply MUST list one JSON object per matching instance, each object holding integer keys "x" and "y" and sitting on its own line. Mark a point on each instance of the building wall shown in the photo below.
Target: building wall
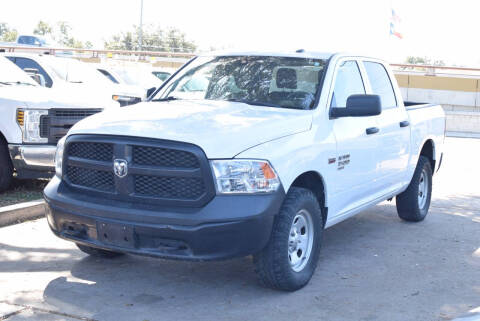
{"x": 458, "y": 95}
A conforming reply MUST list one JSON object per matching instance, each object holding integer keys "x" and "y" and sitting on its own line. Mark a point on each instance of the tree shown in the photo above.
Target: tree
{"x": 154, "y": 38}
{"x": 63, "y": 36}
{"x": 424, "y": 61}
{"x": 7, "y": 34}
{"x": 42, "y": 29}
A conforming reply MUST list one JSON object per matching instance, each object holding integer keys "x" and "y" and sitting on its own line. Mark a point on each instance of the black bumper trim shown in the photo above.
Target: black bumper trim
{"x": 228, "y": 226}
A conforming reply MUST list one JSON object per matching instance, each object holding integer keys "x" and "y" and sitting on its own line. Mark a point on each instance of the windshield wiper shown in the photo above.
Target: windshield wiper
{"x": 254, "y": 103}
{"x": 16, "y": 83}
{"x": 169, "y": 98}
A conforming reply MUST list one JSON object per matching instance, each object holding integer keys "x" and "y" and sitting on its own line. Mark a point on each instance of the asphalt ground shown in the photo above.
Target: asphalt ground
{"x": 372, "y": 267}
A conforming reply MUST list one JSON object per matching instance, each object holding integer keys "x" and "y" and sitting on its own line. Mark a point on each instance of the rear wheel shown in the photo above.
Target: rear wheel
{"x": 413, "y": 204}
{"x": 290, "y": 257}
{"x": 6, "y": 167}
{"x": 98, "y": 252}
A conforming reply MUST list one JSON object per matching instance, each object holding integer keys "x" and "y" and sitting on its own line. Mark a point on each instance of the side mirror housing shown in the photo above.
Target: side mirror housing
{"x": 35, "y": 75}
{"x": 150, "y": 91}
{"x": 359, "y": 106}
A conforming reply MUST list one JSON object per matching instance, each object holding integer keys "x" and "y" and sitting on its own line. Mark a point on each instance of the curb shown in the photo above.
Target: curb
{"x": 21, "y": 212}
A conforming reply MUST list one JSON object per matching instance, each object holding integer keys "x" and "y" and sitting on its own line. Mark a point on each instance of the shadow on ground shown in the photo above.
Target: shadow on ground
{"x": 372, "y": 267}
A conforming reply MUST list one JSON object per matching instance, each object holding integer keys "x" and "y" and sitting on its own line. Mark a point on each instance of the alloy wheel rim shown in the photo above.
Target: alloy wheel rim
{"x": 300, "y": 240}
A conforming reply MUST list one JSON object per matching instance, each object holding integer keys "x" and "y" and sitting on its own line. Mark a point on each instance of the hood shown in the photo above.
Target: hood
{"x": 222, "y": 129}
{"x": 45, "y": 98}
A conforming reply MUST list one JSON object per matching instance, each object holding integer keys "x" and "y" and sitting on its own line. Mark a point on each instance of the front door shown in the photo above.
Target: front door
{"x": 355, "y": 162}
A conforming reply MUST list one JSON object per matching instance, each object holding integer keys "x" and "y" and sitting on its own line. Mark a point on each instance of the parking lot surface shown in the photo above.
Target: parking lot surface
{"x": 372, "y": 267}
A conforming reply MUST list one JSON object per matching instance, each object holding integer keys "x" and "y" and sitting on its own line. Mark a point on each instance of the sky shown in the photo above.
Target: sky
{"x": 438, "y": 29}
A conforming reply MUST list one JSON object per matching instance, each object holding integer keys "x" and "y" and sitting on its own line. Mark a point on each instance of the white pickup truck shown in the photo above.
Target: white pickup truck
{"x": 33, "y": 120}
{"x": 246, "y": 154}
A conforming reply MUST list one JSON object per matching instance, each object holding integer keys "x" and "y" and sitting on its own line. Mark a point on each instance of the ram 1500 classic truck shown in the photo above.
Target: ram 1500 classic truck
{"x": 246, "y": 154}
{"x": 33, "y": 120}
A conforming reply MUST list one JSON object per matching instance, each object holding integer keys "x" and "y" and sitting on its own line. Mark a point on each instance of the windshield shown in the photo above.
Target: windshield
{"x": 286, "y": 82}
{"x": 10, "y": 74}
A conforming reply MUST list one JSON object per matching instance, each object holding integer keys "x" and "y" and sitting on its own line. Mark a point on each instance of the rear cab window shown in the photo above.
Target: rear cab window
{"x": 380, "y": 83}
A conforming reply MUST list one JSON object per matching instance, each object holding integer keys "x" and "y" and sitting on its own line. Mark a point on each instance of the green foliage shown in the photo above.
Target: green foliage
{"x": 154, "y": 38}
{"x": 424, "y": 61}
{"x": 42, "y": 29}
{"x": 7, "y": 34}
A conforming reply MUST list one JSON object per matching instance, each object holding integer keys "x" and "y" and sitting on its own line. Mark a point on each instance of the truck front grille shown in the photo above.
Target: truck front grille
{"x": 56, "y": 124}
{"x": 159, "y": 172}
{"x": 93, "y": 151}
{"x": 99, "y": 180}
{"x": 169, "y": 187}
{"x": 154, "y": 156}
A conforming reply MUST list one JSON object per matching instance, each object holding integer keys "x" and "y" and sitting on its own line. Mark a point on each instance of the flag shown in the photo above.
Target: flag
{"x": 394, "y": 23}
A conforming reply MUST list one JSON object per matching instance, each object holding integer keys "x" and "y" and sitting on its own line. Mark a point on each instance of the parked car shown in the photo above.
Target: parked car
{"x": 269, "y": 152}
{"x": 36, "y": 41}
{"x": 33, "y": 119}
{"x": 137, "y": 77}
{"x": 72, "y": 74}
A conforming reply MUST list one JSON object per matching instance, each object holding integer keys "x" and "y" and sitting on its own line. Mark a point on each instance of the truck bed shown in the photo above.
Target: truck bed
{"x": 415, "y": 105}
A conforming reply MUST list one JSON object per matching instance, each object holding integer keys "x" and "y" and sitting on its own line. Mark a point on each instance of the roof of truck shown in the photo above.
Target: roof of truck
{"x": 295, "y": 54}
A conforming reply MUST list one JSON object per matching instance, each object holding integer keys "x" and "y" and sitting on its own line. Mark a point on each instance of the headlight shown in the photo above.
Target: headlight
{"x": 244, "y": 176}
{"x": 124, "y": 99}
{"x": 29, "y": 122}
{"x": 59, "y": 157}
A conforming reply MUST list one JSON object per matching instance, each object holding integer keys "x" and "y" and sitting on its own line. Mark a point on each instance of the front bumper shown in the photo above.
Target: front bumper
{"x": 33, "y": 161}
{"x": 228, "y": 226}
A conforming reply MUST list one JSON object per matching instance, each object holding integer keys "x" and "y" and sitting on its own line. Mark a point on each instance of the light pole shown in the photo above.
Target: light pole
{"x": 140, "y": 36}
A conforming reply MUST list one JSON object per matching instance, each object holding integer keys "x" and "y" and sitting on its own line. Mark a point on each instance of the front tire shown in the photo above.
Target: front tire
{"x": 6, "y": 167}
{"x": 414, "y": 202}
{"x": 290, "y": 258}
{"x": 98, "y": 252}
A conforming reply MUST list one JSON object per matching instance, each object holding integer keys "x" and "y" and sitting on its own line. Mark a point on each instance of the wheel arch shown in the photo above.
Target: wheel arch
{"x": 314, "y": 182}
{"x": 428, "y": 150}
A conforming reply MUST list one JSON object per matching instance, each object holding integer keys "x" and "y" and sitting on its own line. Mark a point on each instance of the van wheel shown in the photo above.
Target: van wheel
{"x": 413, "y": 204}
{"x": 98, "y": 252}
{"x": 290, "y": 257}
{"x": 6, "y": 167}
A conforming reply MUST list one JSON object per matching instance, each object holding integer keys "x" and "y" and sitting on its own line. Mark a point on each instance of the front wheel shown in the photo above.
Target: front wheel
{"x": 6, "y": 168}
{"x": 290, "y": 257}
{"x": 414, "y": 202}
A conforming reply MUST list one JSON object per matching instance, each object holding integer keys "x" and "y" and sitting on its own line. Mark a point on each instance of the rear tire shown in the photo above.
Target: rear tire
{"x": 414, "y": 202}
{"x": 289, "y": 260}
{"x": 98, "y": 252}
{"x": 6, "y": 167}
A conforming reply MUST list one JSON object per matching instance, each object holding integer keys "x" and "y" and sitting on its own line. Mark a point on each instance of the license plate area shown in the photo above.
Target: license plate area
{"x": 120, "y": 235}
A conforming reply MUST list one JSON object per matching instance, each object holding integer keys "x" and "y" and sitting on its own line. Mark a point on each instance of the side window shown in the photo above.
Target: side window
{"x": 348, "y": 82}
{"x": 381, "y": 84}
{"x": 29, "y": 63}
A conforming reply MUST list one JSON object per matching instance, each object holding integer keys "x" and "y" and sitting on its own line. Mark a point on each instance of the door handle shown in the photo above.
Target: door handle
{"x": 372, "y": 130}
{"x": 404, "y": 123}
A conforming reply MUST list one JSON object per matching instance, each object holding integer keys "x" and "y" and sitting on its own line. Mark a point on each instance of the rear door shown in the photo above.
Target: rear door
{"x": 394, "y": 128}
{"x": 355, "y": 162}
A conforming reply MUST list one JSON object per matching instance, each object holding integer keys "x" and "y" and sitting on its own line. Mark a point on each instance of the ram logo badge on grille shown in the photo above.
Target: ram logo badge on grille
{"x": 120, "y": 167}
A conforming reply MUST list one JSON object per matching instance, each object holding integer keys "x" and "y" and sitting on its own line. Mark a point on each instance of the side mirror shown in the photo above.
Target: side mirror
{"x": 150, "y": 91}
{"x": 359, "y": 106}
{"x": 35, "y": 75}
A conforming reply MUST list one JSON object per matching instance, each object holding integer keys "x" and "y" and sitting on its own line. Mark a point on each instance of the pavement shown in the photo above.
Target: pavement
{"x": 372, "y": 267}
